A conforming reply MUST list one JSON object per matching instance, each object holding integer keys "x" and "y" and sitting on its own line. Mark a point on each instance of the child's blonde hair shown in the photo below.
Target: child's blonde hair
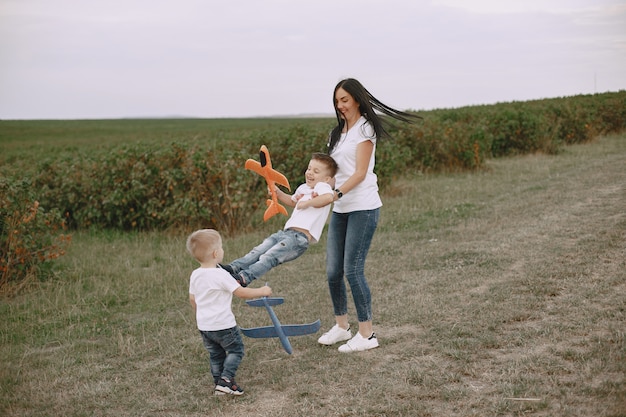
{"x": 201, "y": 243}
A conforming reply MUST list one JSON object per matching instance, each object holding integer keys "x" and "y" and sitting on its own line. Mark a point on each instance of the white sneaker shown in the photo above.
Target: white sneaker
{"x": 358, "y": 343}
{"x": 334, "y": 335}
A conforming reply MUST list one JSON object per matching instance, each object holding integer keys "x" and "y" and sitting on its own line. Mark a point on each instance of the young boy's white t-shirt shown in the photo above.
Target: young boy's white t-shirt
{"x": 312, "y": 219}
{"x": 213, "y": 290}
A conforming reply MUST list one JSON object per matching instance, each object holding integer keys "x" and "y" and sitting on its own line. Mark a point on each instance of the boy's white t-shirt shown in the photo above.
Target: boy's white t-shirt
{"x": 312, "y": 219}
{"x": 365, "y": 195}
{"x": 213, "y": 290}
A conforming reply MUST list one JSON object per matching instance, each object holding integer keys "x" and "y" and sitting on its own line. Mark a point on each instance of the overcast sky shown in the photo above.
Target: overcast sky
{"x": 78, "y": 59}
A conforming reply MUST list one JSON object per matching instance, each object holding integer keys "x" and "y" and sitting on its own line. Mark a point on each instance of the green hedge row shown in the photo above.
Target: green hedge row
{"x": 463, "y": 138}
{"x": 140, "y": 186}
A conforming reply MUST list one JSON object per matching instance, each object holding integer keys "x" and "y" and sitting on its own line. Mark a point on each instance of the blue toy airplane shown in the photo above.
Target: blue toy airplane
{"x": 278, "y": 330}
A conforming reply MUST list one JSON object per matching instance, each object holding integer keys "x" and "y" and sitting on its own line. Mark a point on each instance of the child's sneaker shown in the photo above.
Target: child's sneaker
{"x": 359, "y": 343}
{"x": 334, "y": 335}
{"x": 241, "y": 279}
{"x": 236, "y": 275}
{"x": 226, "y": 386}
{"x": 227, "y": 268}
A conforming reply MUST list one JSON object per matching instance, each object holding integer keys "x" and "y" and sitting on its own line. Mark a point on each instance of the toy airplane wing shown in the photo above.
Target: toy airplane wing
{"x": 261, "y": 302}
{"x": 288, "y": 330}
{"x": 267, "y": 173}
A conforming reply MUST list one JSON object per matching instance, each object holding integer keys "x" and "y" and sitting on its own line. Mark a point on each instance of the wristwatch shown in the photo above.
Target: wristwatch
{"x": 339, "y": 193}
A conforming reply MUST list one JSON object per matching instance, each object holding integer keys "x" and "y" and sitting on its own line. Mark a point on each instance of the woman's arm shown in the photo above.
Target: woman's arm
{"x": 317, "y": 201}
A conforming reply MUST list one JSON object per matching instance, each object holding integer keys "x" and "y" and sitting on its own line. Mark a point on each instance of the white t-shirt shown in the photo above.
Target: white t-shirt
{"x": 365, "y": 195}
{"x": 312, "y": 219}
{"x": 213, "y": 290}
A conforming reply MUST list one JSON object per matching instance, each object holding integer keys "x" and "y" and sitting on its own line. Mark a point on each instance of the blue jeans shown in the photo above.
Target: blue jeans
{"x": 349, "y": 239}
{"x": 225, "y": 351}
{"x": 283, "y": 246}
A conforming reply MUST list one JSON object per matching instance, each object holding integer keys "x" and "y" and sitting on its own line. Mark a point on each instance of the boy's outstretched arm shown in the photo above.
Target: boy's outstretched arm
{"x": 284, "y": 198}
{"x": 317, "y": 201}
{"x": 246, "y": 292}
{"x": 192, "y": 300}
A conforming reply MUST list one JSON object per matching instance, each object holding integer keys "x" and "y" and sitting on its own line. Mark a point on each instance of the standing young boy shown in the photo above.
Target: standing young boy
{"x": 311, "y": 203}
{"x": 211, "y": 292}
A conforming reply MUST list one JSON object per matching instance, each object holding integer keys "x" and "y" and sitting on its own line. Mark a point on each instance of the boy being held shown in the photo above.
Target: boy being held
{"x": 311, "y": 203}
{"x": 211, "y": 292}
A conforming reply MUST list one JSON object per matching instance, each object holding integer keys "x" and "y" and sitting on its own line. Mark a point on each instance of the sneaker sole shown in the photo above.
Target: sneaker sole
{"x": 350, "y": 350}
{"x": 334, "y": 342}
{"x": 360, "y": 350}
{"x": 226, "y": 390}
{"x": 242, "y": 281}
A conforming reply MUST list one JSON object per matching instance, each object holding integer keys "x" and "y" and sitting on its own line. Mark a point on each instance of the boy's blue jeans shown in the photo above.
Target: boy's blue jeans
{"x": 349, "y": 239}
{"x": 225, "y": 351}
{"x": 282, "y": 246}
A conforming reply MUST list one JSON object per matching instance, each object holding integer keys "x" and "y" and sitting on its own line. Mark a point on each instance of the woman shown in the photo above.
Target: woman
{"x": 356, "y": 210}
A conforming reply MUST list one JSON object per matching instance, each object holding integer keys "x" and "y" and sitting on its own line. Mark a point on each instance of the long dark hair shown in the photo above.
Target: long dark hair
{"x": 368, "y": 105}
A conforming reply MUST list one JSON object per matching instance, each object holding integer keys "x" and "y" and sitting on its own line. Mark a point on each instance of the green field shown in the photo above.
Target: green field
{"x": 43, "y": 137}
{"x": 496, "y": 292}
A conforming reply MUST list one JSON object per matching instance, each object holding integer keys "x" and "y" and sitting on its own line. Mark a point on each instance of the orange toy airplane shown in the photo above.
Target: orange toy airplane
{"x": 272, "y": 177}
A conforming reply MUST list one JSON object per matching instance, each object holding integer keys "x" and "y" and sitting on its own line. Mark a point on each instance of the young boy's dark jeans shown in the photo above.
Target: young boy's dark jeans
{"x": 225, "y": 350}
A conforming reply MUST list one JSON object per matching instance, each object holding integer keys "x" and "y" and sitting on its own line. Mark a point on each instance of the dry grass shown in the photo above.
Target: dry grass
{"x": 500, "y": 293}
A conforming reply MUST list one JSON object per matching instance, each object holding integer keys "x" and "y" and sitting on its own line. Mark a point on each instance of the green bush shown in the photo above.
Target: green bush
{"x": 172, "y": 174}
{"x": 30, "y": 236}
{"x": 138, "y": 187}
{"x": 517, "y": 130}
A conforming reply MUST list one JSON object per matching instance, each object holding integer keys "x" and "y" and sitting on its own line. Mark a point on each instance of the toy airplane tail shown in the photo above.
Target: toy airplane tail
{"x": 273, "y": 208}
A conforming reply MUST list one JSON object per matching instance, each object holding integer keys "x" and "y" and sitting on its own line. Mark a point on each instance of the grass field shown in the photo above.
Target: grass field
{"x": 19, "y": 138}
{"x": 495, "y": 293}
